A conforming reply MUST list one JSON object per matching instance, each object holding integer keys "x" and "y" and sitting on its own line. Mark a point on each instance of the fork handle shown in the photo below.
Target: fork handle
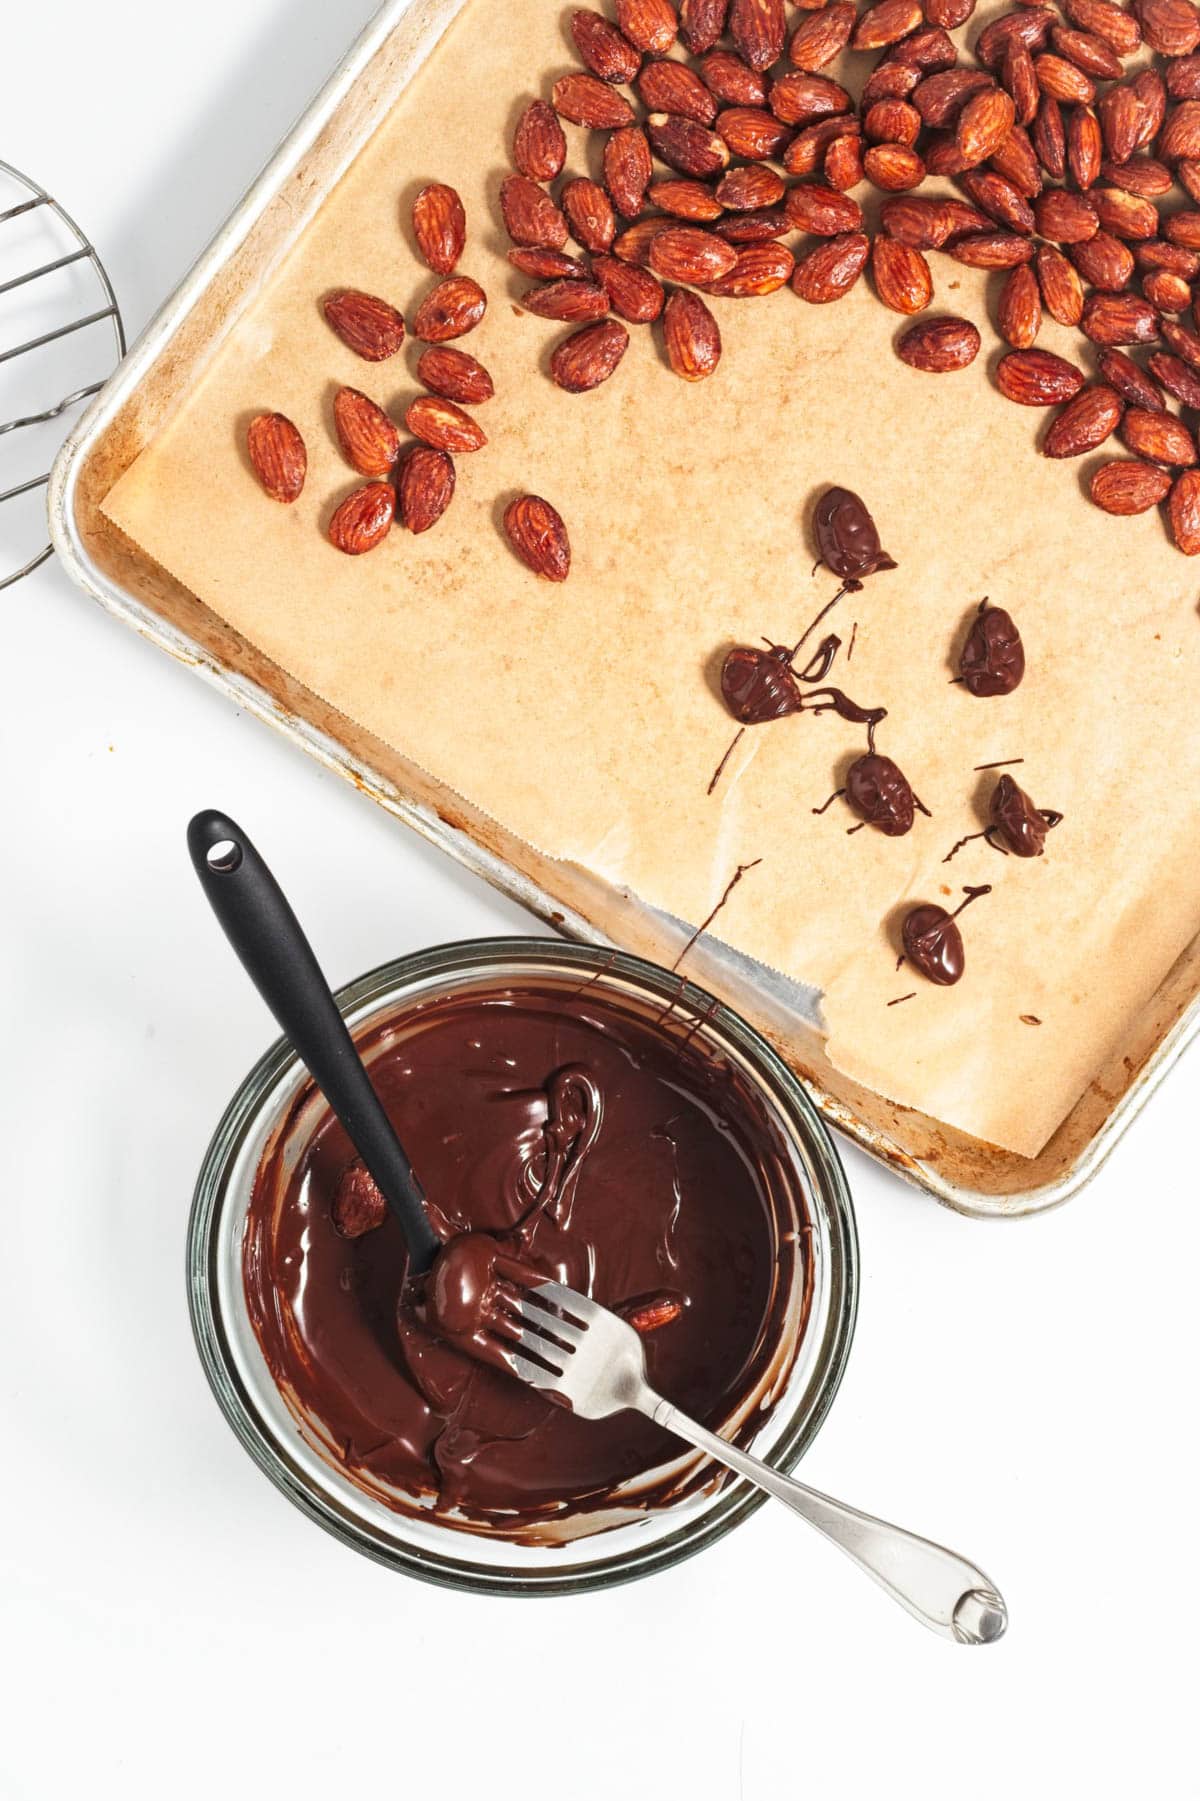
{"x": 938, "y": 1587}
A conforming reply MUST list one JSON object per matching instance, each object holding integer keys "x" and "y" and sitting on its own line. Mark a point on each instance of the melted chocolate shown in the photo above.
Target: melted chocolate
{"x": 881, "y": 794}
{"x": 821, "y": 661}
{"x": 847, "y": 538}
{"x": 833, "y": 700}
{"x": 933, "y": 943}
{"x": 559, "y": 1132}
{"x": 759, "y": 685}
{"x": 993, "y": 657}
{"x": 1017, "y": 823}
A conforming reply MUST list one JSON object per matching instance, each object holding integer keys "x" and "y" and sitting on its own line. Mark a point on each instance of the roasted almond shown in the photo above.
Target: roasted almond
{"x": 941, "y": 97}
{"x": 950, "y": 14}
{"x": 758, "y": 28}
{"x": 1019, "y": 312}
{"x": 454, "y": 375}
{"x": 892, "y": 122}
{"x": 1120, "y": 121}
{"x": 749, "y": 188}
{"x": 688, "y": 254}
{"x": 1150, "y": 91}
{"x": 930, "y": 49}
{"x": 1029, "y": 24}
{"x": 1019, "y": 79}
{"x": 1183, "y": 512}
{"x": 277, "y": 456}
{"x": 1016, "y": 159}
{"x": 1180, "y": 380}
{"x": 1187, "y": 174}
{"x": 1062, "y": 290}
{"x": 454, "y": 308}
{"x": 1167, "y": 293}
{"x": 1183, "y": 342}
{"x": 1037, "y": 378}
{"x": 443, "y": 425}
{"x": 1155, "y": 254}
{"x": 547, "y": 265}
{"x": 886, "y": 23}
{"x": 649, "y": 1314}
{"x": 1085, "y": 146}
{"x": 589, "y": 214}
{"x": 822, "y": 211}
{"x": 937, "y": 346}
{"x": 829, "y": 270}
{"x": 691, "y": 337}
{"x": 439, "y": 226}
{"x": 1066, "y": 218}
{"x": 586, "y": 100}
{"x": 1125, "y": 215}
{"x": 369, "y": 440}
{"x": 991, "y": 249}
{"x": 999, "y": 199}
{"x": 686, "y": 199}
{"x": 759, "y": 269}
{"x": 588, "y": 357}
{"x": 1104, "y": 262}
{"x": 530, "y": 216}
{"x": 1159, "y": 437}
{"x": 364, "y": 518}
{"x": 1126, "y": 486}
{"x": 807, "y": 150}
{"x": 1172, "y": 27}
{"x": 894, "y": 168}
{"x": 901, "y": 274}
{"x": 539, "y": 144}
{"x": 1183, "y": 78}
{"x": 367, "y": 325}
{"x": 733, "y": 82}
{"x": 1084, "y": 422}
{"x": 1063, "y": 81}
{"x": 1119, "y": 319}
{"x": 803, "y": 99}
{"x": 889, "y": 81}
{"x": 1183, "y": 228}
{"x": 1089, "y": 53}
{"x": 572, "y": 302}
{"x": 923, "y": 223}
{"x": 667, "y": 86}
{"x": 627, "y": 169}
{"x": 701, "y": 23}
{"x": 1048, "y": 136}
{"x": 424, "y": 487}
{"x": 1108, "y": 21}
{"x": 844, "y": 164}
{"x": 983, "y": 124}
{"x": 606, "y": 51}
{"x": 633, "y": 244}
{"x": 684, "y": 145}
{"x": 537, "y": 534}
{"x": 633, "y": 293}
{"x": 1131, "y": 382}
{"x": 751, "y": 132}
{"x": 650, "y": 24}
{"x": 822, "y": 36}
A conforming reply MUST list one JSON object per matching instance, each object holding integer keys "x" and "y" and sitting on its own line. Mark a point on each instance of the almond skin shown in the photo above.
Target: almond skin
{"x": 1104, "y": 262}
{"x": 690, "y": 336}
{"x": 902, "y": 278}
{"x": 530, "y": 216}
{"x": 822, "y": 36}
{"x": 894, "y": 168}
{"x": 368, "y": 326}
{"x": 633, "y": 293}
{"x": 701, "y": 23}
{"x": 844, "y": 164}
{"x": 1000, "y": 200}
{"x": 685, "y": 253}
{"x": 923, "y": 223}
{"x": 1159, "y": 437}
{"x": 829, "y": 270}
{"x": 750, "y": 188}
{"x": 1131, "y": 382}
{"x": 369, "y": 440}
{"x": 627, "y": 169}
{"x": 650, "y": 24}
{"x": 443, "y": 425}
{"x": 1084, "y": 422}
{"x": 892, "y": 121}
{"x": 1066, "y": 218}
{"x": 1062, "y": 290}
{"x": 571, "y": 302}
{"x": 454, "y": 308}
{"x": 440, "y": 226}
{"x": 983, "y": 125}
{"x": 589, "y": 356}
{"x": 1180, "y": 381}
{"x": 589, "y": 214}
{"x": 606, "y": 51}
{"x": 991, "y": 249}
{"x": 537, "y": 534}
{"x": 455, "y": 376}
{"x": 759, "y": 269}
{"x": 822, "y": 211}
{"x": 277, "y": 456}
{"x": 668, "y": 86}
{"x": 539, "y": 143}
{"x": 758, "y": 29}
{"x": 424, "y": 487}
{"x": 1183, "y": 342}
{"x": 547, "y": 265}
{"x": 684, "y": 145}
{"x": 686, "y": 199}
{"x": 1120, "y": 121}
{"x": 1183, "y": 512}
{"x": 886, "y": 23}
{"x": 364, "y": 518}
{"x": 585, "y": 100}
{"x": 1126, "y": 486}
{"x": 750, "y": 132}
{"x": 1048, "y": 136}
{"x": 804, "y": 99}
{"x": 937, "y": 346}
{"x": 1091, "y": 54}
{"x": 1119, "y": 319}
{"x": 1172, "y": 27}
{"x": 1037, "y": 378}
{"x": 753, "y": 228}
{"x": 1019, "y": 312}
{"x": 1167, "y": 293}
{"x": 1125, "y": 215}
{"x": 733, "y": 82}
{"x": 1113, "y": 23}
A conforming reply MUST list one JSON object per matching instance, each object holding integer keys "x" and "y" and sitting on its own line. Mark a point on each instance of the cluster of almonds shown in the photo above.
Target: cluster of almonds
{"x": 1062, "y": 159}
{"x": 413, "y": 483}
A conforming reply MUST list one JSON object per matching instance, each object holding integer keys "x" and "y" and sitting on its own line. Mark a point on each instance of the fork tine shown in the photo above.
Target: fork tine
{"x": 523, "y": 1369}
{"x": 549, "y": 1322}
{"x": 576, "y": 1306}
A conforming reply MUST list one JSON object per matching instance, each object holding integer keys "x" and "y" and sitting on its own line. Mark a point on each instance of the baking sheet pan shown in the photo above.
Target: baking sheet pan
{"x": 173, "y": 352}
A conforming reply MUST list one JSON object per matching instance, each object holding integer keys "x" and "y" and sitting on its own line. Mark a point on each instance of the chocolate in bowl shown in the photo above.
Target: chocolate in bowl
{"x": 707, "y": 1176}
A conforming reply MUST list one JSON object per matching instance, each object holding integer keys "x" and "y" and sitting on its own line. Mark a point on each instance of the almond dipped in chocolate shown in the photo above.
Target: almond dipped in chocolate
{"x": 847, "y": 538}
{"x": 933, "y": 943}
{"x": 759, "y": 685}
{"x": 993, "y": 657}
{"x": 1016, "y": 823}
{"x": 881, "y": 794}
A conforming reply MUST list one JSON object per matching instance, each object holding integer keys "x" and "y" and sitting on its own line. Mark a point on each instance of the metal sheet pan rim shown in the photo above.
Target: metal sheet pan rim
{"x": 254, "y": 699}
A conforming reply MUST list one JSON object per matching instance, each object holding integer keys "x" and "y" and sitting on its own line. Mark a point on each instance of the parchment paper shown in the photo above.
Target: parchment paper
{"x": 586, "y": 717}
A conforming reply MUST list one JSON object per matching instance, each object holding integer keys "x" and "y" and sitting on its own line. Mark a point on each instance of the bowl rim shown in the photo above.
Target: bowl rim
{"x": 737, "y": 1499}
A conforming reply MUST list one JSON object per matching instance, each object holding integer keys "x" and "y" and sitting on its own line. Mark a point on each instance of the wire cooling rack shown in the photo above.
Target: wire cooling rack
{"x": 60, "y": 337}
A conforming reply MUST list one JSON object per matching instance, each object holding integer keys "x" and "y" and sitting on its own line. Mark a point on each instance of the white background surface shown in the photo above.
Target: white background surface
{"x": 170, "y": 1624}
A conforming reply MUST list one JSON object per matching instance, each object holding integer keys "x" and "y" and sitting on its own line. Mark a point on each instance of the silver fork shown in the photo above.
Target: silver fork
{"x": 572, "y": 1347}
